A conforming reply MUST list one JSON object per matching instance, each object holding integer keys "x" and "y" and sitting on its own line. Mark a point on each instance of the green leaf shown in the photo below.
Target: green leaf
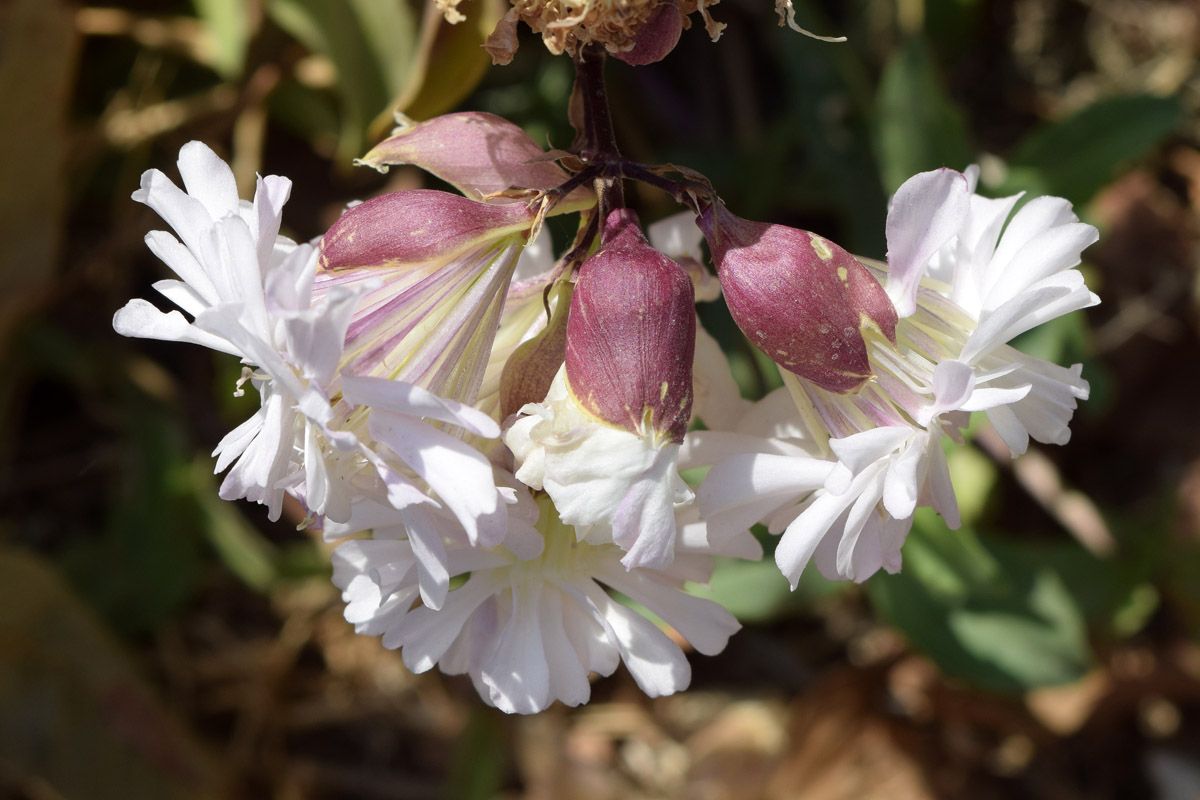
{"x": 917, "y": 127}
{"x": 370, "y": 43}
{"x": 1074, "y": 158}
{"x": 240, "y": 546}
{"x": 480, "y": 756}
{"x": 228, "y": 23}
{"x": 974, "y": 477}
{"x": 448, "y": 62}
{"x": 981, "y": 612}
{"x": 755, "y": 591}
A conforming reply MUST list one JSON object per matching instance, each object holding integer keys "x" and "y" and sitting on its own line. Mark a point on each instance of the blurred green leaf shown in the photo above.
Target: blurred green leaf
{"x": 480, "y": 757}
{"x": 917, "y": 127}
{"x": 984, "y": 615}
{"x": 371, "y": 44}
{"x": 76, "y": 720}
{"x": 1135, "y": 610}
{"x": 1074, "y": 158}
{"x": 448, "y": 63}
{"x": 228, "y": 23}
{"x": 240, "y": 546}
{"x": 1116, "y": 593}
{"x": 752, "y": 591}
{"x": 308, "y": 113}
{"x": 153, "y": 529}
{"x": 974, "y": 476}
{"x": 829, "y": 97}
{"x": 755, "y": 591}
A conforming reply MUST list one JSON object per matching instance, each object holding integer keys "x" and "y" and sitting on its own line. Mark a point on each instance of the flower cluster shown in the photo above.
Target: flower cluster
{"x": 878, "y": 376}
{"x": 495, "y": 438}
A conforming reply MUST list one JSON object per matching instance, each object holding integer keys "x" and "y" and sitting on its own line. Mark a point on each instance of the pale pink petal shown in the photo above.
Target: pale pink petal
{"x": 568, "y": 677}
{"x": 517, "y": 675}
{"x": 270, "y": 195}
{"x": 705, "y": 624}
{"x": 801, "y": 538}
{"x": 405, "y": 398}
{"x": 655, "y": 662}
{"x": 461, "y": 475}
{"x": 1050, "y": 252}
{"x": 185, "y": 215}
{"x": 480, "y": 154}
{"x": 927, "y": 211}
{"x": 183, "y": 263}
{"x": 208, "y": 179}
{"x": 426, "y": 634}
{"x": 142, "y": 320}
{"x": 430, "y": 553}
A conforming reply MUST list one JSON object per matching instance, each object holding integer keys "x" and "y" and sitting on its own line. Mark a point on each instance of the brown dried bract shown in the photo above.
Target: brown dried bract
{"x": 567, "y": 26}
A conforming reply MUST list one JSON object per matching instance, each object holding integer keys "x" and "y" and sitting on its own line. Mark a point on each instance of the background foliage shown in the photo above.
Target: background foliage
{"x": 156, "y": 642}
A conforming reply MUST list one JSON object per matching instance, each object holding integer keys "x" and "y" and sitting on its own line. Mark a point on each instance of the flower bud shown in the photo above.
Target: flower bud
{"x": 481, "y": 155}
{"x": 798, "y": 297}
{"x": 631, "y": 334}
{"x": 531, "y": 368}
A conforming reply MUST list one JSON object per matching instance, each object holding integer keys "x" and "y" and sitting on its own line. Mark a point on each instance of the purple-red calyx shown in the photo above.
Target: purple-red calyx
{"x": 631, "y": 333}
{"x": 798, "y": 297}
{"x": 416, "y": 227}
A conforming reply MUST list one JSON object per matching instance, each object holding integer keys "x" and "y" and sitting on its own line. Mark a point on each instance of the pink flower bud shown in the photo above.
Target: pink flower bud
{"x": 631, "y": 333}
{"x": 799, "y": 298}
{"x": 416, "y": 227}
{"x": 657, "y": 37}
{"x": 481, "y": 154}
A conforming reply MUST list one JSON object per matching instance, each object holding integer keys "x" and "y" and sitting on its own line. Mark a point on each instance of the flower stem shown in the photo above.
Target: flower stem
{"x": 599, "y": 141}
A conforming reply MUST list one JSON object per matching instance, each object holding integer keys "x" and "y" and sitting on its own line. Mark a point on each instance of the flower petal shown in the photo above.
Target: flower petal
{"x": 927, "y": 211}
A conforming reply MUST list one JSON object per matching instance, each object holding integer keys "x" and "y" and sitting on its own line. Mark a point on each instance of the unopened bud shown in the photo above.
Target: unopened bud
{"x": 480, "y": 154}
{"x": 531, "y": 368}
{"x": 798, "y": 297}
{"x": 631, "y": 334}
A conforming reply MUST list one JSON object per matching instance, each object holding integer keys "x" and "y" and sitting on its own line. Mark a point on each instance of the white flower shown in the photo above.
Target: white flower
{"x": 529, "y": 629}
{"x": 458, "y": 473}
{"x": 613, "y": 485}
{"x": 843, "y": 489}
{"x": 250, "y": 293}
{"x": 1001, "y": 277}
{"x": 327, "y": 437}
